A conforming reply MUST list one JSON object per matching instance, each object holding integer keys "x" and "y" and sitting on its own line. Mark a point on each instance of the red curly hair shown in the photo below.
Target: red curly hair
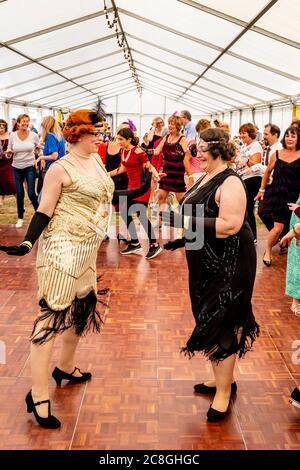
{"x": 78, "y": 123}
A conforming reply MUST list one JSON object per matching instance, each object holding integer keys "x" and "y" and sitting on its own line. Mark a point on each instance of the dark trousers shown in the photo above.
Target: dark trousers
{"x": 21, "y": 175}
{"x": 252, "y": 185}
{"x": 140, "y": 209}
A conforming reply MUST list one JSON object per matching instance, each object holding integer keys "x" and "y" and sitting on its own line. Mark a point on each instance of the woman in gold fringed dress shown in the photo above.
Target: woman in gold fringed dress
{"x": 72, "y": 219}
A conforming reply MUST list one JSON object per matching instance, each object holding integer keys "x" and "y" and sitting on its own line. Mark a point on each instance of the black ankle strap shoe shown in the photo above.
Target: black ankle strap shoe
{"x": 60, "y": 375}
{"x": 50, "y": 422}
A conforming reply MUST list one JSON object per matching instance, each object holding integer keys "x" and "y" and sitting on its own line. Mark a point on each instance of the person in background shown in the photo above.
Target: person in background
{"x": 292, "y": 288}
{"x": 284, "y": 189}
{"x": 189, "y": 127}
{"x": 271, "y": 139}
{"x": 292, "y": 238}
{"x": 22, "y": 145}
{"x": 250, "y": 155}
{"x": 295, "y": 123}
{"x": 154, "y": 135}
{"x": 13, "y": 125}
{"x": 53, "y": 142}
{"x": 133, "y": 160}
{"x": 195, "y": 162}
{"x": 258, "y": 134}
{"x": 7, "y": 182}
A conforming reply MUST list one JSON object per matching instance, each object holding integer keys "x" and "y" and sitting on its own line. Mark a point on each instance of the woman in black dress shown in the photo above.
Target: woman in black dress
{"x": 221, "y": 260}
{"x": 284, "y": 189}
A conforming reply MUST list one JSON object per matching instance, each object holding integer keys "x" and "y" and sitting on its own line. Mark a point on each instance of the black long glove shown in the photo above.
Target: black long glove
{"x": 38, "y": 223}
{"x": 134, "y": 193}
{"x": 174, "y": 244}
{"x": 173, "y": 219}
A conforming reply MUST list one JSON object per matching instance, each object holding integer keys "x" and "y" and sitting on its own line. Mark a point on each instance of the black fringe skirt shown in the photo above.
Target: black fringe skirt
{"x": 81, "y": 315}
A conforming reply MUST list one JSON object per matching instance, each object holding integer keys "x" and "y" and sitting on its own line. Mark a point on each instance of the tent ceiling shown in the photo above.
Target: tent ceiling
{"x": 209, "y": 54}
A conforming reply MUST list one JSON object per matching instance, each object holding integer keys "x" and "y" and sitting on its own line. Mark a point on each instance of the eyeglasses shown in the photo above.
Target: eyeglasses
{"x": 94, "y": 133}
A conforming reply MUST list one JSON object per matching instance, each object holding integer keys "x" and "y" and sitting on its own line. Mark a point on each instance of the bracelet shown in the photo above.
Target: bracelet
{"x": 261, "y": 190}
{"x": 27, "y": 243}
{"x": 190, "y": 176}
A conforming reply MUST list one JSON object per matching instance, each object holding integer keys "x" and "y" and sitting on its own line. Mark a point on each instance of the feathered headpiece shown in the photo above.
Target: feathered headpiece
{"x": 131, "y": 125}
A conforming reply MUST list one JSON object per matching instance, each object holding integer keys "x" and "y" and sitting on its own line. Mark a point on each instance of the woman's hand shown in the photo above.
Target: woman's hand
{"x": 259, "y": 196}
{"x": 287, "y": 239}
{"x": 293, "y": 206}
{"x": 8, "y": 153}
{"x": 40, "y": 163}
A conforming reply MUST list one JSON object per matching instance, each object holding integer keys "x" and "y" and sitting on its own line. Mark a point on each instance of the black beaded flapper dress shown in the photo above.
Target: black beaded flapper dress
{"x": 221, "y": 279}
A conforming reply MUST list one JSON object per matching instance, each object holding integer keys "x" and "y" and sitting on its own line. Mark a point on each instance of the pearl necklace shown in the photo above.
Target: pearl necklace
{"x": 75, "y": 154}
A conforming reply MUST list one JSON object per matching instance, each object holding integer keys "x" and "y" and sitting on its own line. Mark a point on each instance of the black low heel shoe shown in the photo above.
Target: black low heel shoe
{"x": 205, "y": 389}
{"x": 50, "y": 422}
{"x": 295, "y": 397}
{"x": 60, "y": 375}
{"x": 213, "y": 416}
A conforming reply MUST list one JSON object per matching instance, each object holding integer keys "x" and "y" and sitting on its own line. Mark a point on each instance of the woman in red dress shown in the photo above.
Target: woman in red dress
{"x": 133, "y": 161}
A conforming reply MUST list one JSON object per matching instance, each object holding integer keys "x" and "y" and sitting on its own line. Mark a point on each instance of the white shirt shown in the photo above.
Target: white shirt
{"x": 23, "y": 150}
{"x": 246, "y": 153}
{"x": 260, "y": 168}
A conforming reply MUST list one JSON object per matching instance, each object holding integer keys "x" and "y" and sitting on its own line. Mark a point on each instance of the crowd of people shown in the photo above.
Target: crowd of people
{"x": 216, "y": 180}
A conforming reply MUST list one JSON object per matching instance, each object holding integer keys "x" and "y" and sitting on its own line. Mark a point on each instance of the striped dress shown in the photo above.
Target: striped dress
{"x": 66, "y": 259}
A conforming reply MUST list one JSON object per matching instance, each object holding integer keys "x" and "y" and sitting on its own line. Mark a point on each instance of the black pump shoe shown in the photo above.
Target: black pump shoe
{"x": 60, "y": 375}
{"x": 295, "y": 397}
{"x": 213, "y": 416}
{"x": 50, "y": 422}
{"x": 205, "y": 389}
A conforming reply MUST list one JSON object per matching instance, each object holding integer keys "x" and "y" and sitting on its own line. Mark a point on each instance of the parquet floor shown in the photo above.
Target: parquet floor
{"x": 141, "y": 395}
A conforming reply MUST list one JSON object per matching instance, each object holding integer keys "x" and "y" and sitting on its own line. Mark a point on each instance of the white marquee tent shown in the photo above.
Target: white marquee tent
{"x": 236, "y": 60}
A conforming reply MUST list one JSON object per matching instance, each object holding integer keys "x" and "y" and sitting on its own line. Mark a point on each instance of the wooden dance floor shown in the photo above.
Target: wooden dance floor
{"x": 141, "y": 395}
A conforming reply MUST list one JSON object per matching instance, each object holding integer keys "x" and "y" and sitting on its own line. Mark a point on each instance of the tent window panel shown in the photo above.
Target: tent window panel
{"x": 282, "y": 116}
{"x": 9, "y": 58}
{"x": 235, "y": 123}
{"x": 259, "y": 75}
{"x": 283, "y": 19}
{"x": 33, "y": 85}
{"x": 228, "y": 94}
{"x": 109, "y": 81}
{"x": 239, "y": 85}
{"x": 103, "y": 74}
{"x": 176, "y": 80}
{"x": 244, "y": 11}
{"x": 39, "y": 95}
{"x": 161, "y": 37}
{"x": 171, "y": 63}
{"x": 184, "y": 19}
{"x": 34, "y": 19}
{"x": 22, "y": 74}
{"x": 80, "y": 55}
{"x": 64, "y": 38}
{"x": 267, "y": 51}
{"x": 94, "y": 66}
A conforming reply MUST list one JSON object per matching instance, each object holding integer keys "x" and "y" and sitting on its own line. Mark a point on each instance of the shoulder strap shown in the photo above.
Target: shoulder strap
{"x": 277, "y": 155}
{"x": 68, "y": 166}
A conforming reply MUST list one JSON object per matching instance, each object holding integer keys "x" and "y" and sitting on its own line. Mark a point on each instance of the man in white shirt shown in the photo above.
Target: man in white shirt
{"x": 189, "y": 127}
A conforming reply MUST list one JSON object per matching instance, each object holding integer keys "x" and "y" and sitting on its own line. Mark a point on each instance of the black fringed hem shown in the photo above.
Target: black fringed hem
{"x": 214, "y": 351}
{"x": 81, "y": 315}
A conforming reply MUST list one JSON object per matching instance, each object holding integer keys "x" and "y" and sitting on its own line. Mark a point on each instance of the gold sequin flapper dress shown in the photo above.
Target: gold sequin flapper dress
{"x": 67, "y": 252}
